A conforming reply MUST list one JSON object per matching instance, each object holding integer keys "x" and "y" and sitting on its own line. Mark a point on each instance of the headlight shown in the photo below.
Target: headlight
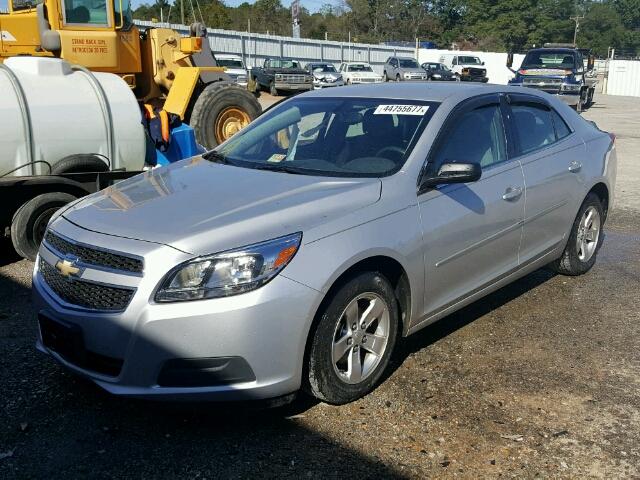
{"x": 407, "y": 75}
{"x": 436, "y": 75}
{"x": 279, "y": 76}
{"x": 228, "y": 273}
{"x": 567, "y": 87}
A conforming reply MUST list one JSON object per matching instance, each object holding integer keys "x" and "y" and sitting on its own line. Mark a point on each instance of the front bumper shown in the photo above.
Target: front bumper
{"x": 250, "y": 346}
{"x": 321, "y": 85}
{"x": 293, "y": 86}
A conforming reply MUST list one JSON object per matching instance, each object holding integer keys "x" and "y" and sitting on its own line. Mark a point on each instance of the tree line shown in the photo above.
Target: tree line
{"x": 490, "y": 25}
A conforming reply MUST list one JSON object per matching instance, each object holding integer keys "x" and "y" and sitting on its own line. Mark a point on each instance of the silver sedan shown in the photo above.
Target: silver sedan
{"x": 298, "y": 253}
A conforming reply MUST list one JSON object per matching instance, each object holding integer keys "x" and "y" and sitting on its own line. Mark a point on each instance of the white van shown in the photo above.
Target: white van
{"x": 467, "y": 68}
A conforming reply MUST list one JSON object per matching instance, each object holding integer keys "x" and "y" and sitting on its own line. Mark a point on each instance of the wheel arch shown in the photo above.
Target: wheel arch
{"x": 601, "y": 190}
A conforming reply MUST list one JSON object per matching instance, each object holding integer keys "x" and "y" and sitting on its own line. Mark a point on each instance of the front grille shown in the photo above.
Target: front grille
{"x": 290, "y": 78}
{"x": 85, "y": 294}
{"x": 92, "y": 256}
{"x": 549, "y": 85}
{"x": 476, "y": 72}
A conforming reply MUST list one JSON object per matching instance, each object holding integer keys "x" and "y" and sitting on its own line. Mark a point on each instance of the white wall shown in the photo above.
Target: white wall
{"x": 624, "y": 78}
{"x": 495, "y": 63}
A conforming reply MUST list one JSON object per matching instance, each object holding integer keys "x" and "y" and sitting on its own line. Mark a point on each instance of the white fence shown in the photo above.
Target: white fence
{"x": 624, "y": 78}
{"x": 255, "y": 48}
{"x": 495, "y": 63}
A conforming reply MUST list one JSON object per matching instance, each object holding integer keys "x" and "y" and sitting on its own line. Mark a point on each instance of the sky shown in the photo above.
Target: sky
{"x": 311, "y": 5}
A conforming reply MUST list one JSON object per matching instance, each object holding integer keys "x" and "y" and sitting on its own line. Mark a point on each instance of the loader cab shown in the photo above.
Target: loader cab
{"x": 98, "y": 34}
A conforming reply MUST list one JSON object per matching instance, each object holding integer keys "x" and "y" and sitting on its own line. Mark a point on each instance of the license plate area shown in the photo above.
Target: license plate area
{"x": 63, "y": 338}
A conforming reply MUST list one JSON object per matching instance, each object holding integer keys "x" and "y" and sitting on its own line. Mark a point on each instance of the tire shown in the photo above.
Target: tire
{"x": 458, "y": 79}
{"x": 30, "y": 222}
{"x": 386, "y": 77}
{"x": 214, "y": 103}
{"x": 589, "y": 100}
{"x": 326, "y": 379}
{"x": 571, "y": 263}
{"x": 82, "y": 162}
{"x": 253, "y": 86}
{"x": 398, "y": 78}
{"x": 273, "y": 91}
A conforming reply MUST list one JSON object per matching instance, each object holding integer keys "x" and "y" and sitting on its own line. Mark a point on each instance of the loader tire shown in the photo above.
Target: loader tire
{"x": 31, "y": 219}
{"x": 221, "y": 110}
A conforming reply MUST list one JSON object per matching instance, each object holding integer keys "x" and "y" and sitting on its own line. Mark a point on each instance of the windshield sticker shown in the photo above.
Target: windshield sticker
{"x": 401, "y": 110}
{"x": 276, "y": 158}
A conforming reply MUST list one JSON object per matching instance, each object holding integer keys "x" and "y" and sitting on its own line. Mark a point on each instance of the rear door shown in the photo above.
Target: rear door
{"x": 472, "y": 231}
{"x": 551, "y": 156}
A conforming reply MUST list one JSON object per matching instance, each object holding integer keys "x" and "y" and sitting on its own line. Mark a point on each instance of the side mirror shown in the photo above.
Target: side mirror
{"x": 591, "y": 62}
{"x": 453, "y": 173}
{"x": 482, "y": 63}
{"x": 509, "y": 60}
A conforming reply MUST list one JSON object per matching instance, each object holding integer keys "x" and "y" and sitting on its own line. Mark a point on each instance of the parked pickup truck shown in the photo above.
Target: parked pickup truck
{"x": 278, "y": 75}
{"x": 558, "y": 69}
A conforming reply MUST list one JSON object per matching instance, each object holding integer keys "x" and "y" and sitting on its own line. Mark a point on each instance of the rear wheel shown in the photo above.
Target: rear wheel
{"x": 584, "y": 241}
{"x": 221, "y": 110}
{"x": 30, "y": 222}
{"x": 353, "y": 340}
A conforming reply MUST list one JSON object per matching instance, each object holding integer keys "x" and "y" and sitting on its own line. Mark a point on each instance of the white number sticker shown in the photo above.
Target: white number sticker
{"x": 401, "y": 110}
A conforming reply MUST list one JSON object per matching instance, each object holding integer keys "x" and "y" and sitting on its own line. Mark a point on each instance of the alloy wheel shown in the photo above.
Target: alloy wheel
{"x": 588, "y": 234}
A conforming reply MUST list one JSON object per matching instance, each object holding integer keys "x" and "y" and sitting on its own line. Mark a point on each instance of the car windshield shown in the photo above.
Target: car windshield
{"x": 323, "y": 68}
{"x": 345, "y": 137}
{"x": 436, "y": 66}
{"x": 284, "y": 64}
{"x": 229, "y": 62}
{"x": 469, "y": 61}
{"x": 360, "y": 67}
{"x": 408, "y": 63}
{"x": 549, "y": 59}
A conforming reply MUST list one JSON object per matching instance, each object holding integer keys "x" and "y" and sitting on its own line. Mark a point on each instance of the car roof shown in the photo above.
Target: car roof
{"x": 227, "y": 55}
{"x": 554, "y": 49}
{"x": 431, "y": 91}
{"x": 356, "y": 63}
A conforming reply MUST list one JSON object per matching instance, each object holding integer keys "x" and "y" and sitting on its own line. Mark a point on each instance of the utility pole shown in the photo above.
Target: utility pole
{"x": 575, "y": 32}
{"x": 182, "y": 12}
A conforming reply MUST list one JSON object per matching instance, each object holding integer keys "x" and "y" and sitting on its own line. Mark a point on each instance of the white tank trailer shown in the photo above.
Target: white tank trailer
{"x": 52, "y": 112}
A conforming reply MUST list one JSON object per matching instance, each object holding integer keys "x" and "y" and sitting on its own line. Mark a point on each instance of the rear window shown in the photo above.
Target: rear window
{"x": 331, "y": 137}
{"x": 562, "y": 130}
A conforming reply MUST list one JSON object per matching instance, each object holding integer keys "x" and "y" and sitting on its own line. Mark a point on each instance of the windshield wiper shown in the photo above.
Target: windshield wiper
{"x": 277, "y": 167}
{"x": 217, "y": 157}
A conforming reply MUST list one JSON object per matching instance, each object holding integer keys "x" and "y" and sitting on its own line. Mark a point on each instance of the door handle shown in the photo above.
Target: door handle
{"x": 512, "y": 193}
{"x": 575, "y": 166}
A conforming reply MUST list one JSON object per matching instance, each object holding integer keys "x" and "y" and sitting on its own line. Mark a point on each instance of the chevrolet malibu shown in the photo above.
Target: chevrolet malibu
{"x": 298, "y": 253}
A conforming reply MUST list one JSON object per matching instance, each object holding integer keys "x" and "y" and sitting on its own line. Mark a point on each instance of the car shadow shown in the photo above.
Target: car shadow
{"x": 7, "y": 254}
{"x": 465, "y": 316}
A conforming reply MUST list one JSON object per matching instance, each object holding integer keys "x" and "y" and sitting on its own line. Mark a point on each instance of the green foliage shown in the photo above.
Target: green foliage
{"x": 499, "y": 25}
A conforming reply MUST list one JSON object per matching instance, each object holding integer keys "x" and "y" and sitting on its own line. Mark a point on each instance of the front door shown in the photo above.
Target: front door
{"x": 471, "y": 231}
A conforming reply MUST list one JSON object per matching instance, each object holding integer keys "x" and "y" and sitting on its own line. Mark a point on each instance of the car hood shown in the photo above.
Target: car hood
{"x": 364, "y": 74}
{"x": 327, "y": 75}
{"x": 201, "y": 207}
{"x": 235, "y": 71}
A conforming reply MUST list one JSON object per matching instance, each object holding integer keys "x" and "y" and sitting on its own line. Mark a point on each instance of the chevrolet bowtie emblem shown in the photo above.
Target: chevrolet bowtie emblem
{"x": 66, "y": 268}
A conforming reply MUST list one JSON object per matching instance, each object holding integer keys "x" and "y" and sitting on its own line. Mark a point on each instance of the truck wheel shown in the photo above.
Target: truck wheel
{"x": 253, "y": 87}
{"x": 589, "y": 100}
{"x": 221, "y": 110}
{"x": 81, "y": 162}
{"x": 272, "y": 89}
{"x": 30, "y": 222}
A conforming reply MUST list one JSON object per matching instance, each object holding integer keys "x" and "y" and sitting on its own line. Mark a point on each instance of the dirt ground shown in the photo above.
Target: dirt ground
{"x": 540, "y": 379}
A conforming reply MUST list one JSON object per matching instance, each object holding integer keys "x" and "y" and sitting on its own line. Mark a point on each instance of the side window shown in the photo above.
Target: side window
{"x": 477, "y": 137}
{"x": 86, "y": 12}
{"x": 455, "y": 61}
{"x": 534, "y": 127}
{"x": 562, "y": 130}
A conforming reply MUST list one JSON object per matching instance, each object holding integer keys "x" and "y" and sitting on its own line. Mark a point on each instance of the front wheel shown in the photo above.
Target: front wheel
{"x": 30, "y": 222}
{"x": 584, "y": 241}
{"x": 221, "y": 110}
{"x": 353, "y": 340}
{"x": 397, "y": 78}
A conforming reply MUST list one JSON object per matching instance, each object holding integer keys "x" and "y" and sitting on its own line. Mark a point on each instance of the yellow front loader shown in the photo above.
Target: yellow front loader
{"x": 164, "y": 70}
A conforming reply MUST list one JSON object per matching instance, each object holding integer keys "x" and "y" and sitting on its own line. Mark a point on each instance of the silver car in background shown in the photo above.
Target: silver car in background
{"x": 299, "y": 252}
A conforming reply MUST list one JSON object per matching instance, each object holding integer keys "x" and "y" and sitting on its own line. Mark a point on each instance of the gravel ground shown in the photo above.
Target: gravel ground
{"x": 539, "y": 379}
